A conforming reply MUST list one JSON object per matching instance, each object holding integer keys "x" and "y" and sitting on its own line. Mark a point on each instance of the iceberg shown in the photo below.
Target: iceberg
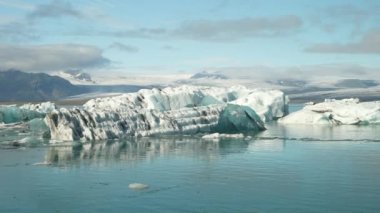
{"x": 336, "y": 112}
{"x": 26, "y": 112}
{"x": 138, "y": 186}
{"x": 236, "y": 118}
{"x": 172, "y": 110}
{"x": 43, "y": 107}
{"x": 268, "y": 104}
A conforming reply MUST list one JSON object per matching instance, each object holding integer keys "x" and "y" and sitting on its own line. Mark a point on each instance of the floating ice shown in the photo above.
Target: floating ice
{"x": 179, "y": 110}
{"x": 44, "y": 163}
{"x": 37, "y": 125}
{"x": 268, "y": 104}
{"x": 13, "y": 113}
{"x": 30, "y": 140}
{"x": 217, "y": 136}
{"x": 138, "y": 186}
{"x": 236, "y": 118}
{"x": 345, "y": 112}
{"x": 44, "y": 107}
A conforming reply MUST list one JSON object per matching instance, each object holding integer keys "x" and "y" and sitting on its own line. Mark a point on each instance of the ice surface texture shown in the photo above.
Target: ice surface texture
{"x": 178, "y": 110}
{"x": 336, "y": 112}
{"x": 26, "y": 112}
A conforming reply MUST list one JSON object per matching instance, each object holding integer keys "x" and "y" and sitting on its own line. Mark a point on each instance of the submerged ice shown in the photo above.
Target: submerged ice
{"x": 179, "y": 110}
{"x": 337, "y": 112}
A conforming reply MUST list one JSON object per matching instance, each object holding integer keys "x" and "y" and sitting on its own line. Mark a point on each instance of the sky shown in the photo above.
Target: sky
{"x": 339, "y": 37}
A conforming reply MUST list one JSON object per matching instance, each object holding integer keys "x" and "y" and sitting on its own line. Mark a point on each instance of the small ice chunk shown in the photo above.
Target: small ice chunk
{"x": 217, "y": 136}
{"x": 30, "y": 140}
{"x": 248, "y": 138}
{"x": 138, "y": 186}
{"x": 44, "y": 163}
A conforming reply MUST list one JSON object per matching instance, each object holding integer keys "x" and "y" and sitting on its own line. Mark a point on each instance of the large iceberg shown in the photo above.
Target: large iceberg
{"x": 178, "y": 110}
{"x": 336, "y": 112}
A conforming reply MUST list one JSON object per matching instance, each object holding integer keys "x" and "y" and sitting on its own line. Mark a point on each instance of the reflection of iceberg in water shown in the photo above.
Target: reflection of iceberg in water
{"x": 144, "y": 149}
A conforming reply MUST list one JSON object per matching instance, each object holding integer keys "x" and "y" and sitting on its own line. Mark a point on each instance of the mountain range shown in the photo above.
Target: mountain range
{"x": 21, "y": 86}
{"x": 18, "y": 86}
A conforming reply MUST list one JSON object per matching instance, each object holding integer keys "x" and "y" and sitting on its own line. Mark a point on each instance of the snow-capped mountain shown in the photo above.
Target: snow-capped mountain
{"x": 208, "y": 75}
{"x": 76, "y": 76}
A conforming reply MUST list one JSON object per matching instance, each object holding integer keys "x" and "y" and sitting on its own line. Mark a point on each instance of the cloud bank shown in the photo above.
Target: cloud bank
{"x": 50, "y": 57}
{"x": 236, "y": 29}
{"x": 123, "y": 47}
{"x": 54, "y": 9}
{"x": 368, "y": 44}
{"x": 220, "y": 30}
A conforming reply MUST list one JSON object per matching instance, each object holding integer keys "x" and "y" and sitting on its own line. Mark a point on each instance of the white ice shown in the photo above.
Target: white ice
{"x": 172, "y": 110}
{"x": 337, "y": 112}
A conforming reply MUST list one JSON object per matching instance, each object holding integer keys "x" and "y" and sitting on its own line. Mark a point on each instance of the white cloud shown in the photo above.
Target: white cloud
{"x": 124, "y": 47}
{"x": 54, "y": 9}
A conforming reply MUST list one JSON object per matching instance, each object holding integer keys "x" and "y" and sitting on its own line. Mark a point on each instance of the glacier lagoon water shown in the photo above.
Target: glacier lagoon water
{"x": 284, "y": 169}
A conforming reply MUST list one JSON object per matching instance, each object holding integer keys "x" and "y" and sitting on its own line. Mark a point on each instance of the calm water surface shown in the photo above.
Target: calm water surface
{"x": 284, "y": 169}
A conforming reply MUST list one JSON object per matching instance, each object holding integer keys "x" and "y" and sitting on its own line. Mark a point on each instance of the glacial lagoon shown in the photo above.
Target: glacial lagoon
{"x": 292, "y": 168}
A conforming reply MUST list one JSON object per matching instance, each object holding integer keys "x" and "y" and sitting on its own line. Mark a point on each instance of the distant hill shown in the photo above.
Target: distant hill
{"x": 356, "y": 83}
{"x": 21, "y": 86}
{"x": 16, "y": 85}
{"x": 208, "y": 75}
{"x": 76, "y": 77}
{"x": 288, "y": 82}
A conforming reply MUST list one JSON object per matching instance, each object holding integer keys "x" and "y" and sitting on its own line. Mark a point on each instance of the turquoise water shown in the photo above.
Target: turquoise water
{"x": 284, "y": 169}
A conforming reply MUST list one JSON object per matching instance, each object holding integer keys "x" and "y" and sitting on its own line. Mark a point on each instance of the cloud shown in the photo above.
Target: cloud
{"x": 50, "y": 57}
{"x": 26, "y": 28}
{"x": 16, "y": 4}
{"x": 168, "y": 47}
{"x": 54, "y": 9}
{"x": 301, "y": 72}
{"x": 222, "y": 4}
{"x": 124, "y": 47}
{"x": 356, "y": 17}
{"x": 237, "y": 29}
{"x": 18, "y": 31}
{"x": 219, "y": 30}
{"x": 368, "y": 44}
{"x": 147, "y": 33}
